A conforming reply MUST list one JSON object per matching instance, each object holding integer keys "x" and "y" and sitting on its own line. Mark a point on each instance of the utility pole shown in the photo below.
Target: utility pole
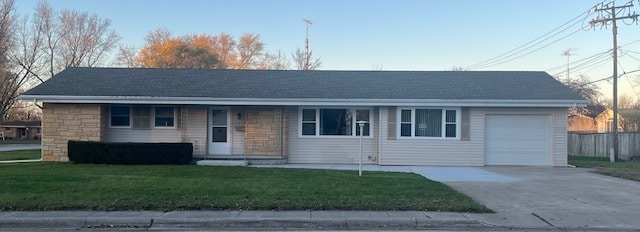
{"x": 307, "y": 61}
{"x": 610, "y": 16}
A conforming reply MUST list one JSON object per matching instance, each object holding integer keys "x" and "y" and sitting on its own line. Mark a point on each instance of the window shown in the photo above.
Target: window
{"x": 142, "y": 117}
{"x": 164, "y": 116}
{"x": 120, "y": 116}
{"x": 334, "y": 121}
{"x": 308, "y": 122}
{"x": 450, "y": 124}
{"x": 429, "y": 123}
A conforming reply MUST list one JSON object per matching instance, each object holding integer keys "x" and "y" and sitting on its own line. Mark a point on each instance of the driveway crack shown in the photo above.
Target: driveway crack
{"x": 542, "y": 219}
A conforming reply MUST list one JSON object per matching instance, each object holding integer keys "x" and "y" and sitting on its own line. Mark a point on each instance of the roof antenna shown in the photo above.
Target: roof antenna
{"x": 307, "y": 62}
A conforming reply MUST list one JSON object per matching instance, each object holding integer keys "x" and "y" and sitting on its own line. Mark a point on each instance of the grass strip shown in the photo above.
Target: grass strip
{"x": 620, "y": 168}
{"x": 66, "y": 186}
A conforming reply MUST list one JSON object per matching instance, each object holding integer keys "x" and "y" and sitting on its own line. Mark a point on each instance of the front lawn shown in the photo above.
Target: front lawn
{"x": 622, "y": 169}
{"x": 20, "y": 155}
{"x": 57, "y": 186}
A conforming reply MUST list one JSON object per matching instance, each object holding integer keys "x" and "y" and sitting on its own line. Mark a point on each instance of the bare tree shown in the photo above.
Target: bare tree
{"x": 626, "y": 101}
{"x": 304, "y": 61}
{"x": 9, "y": 83}
{"x": 84, "y": 38}
{"x": 64, "y": 39}
{"x": 126, "y": 56}
{"x": 586, "y": 88}
{"x": 274, "y": 62}
{"x": 33, "y": 49}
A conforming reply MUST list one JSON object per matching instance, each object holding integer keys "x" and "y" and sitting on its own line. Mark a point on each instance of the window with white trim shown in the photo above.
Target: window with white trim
{"x": 334, "y": 121}
{"x": 120, "y": 116}
{"x": 164, "y": 116}
{"x": 429, "y": 123}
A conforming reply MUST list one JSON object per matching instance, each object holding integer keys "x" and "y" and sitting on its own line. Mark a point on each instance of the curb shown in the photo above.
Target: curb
{"x": 241, "y": 223}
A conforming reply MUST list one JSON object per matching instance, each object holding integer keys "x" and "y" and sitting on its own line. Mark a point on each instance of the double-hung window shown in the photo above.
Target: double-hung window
{"x": 429, "y": 123}
{"x": 164, "y": 116}
{"x": 120, "y": 116}
{"x": 334, "y": 121}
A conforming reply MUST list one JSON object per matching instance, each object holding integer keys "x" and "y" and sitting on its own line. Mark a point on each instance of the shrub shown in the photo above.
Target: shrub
{"x": 85, "y": 152}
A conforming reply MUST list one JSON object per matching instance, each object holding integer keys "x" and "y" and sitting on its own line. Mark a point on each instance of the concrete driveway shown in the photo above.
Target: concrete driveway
{"x": 558, "y": 196}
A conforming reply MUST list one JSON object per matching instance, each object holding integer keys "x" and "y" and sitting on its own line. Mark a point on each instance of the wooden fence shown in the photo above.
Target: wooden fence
{"x": 599, "y": 144}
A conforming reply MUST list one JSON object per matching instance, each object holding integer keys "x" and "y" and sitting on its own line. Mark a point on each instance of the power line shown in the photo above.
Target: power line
{"x": 577, "y": 61}
{"x": 628, "y": 80}
{"x": 593, "y": 61}
{"x": 538, "y": 49}
{"x": 531, "y": 44}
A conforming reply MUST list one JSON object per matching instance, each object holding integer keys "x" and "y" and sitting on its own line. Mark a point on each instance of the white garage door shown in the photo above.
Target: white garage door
{"x": 518, "y": 139}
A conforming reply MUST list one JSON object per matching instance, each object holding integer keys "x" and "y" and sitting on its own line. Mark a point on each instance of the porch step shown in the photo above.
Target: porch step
{"x": 251, "y": 159}
{"x": 223, "y": 162}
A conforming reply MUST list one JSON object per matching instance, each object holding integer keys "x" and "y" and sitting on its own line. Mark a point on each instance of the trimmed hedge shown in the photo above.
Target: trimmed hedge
{"x": 86, "y": 152}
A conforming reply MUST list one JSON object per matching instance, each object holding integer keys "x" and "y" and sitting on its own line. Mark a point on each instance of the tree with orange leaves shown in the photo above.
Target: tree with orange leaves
{"x": 163, "y": 50}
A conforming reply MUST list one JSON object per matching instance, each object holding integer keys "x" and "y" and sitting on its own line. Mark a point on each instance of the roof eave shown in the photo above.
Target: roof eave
{"x": 303, "y": 101}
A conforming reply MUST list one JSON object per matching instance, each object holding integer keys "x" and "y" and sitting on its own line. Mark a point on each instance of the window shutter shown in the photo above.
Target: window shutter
{"x": 180, "y": 117}
{"x": 465, "y": 131}
{"x": 392, "y": 123}
{"x": 141, "y": 117}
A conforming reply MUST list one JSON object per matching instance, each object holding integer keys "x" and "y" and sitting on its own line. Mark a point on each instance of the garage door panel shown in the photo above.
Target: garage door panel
{"x": 517, "y": 139}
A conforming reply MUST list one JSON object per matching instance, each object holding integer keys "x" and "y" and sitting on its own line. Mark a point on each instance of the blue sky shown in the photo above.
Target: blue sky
{"x": 381, "y": 34}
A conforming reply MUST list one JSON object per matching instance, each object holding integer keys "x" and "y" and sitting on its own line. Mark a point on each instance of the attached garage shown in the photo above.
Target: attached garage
{"x": 518, "y": 140}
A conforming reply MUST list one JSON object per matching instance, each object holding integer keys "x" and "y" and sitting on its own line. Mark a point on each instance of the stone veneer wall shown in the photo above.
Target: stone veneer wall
{"x": 64, "y": 122}
{"x": 266, "y": 130}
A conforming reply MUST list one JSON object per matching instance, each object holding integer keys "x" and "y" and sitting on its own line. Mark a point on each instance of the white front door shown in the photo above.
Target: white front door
{"x": 219, "y": 134}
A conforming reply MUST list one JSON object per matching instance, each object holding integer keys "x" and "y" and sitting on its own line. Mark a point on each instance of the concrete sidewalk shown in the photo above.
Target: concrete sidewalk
{"x": 16, "y": 147}
{"x": 284, "y": 220}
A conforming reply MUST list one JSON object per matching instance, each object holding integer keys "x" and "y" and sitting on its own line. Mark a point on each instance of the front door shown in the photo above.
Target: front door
{"x": 219, "y": 136}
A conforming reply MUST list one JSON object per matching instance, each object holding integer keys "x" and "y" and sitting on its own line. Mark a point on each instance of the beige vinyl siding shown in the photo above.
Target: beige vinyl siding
{"x": 342, "y": 150}
{"x": 433, "y": 151}
{"x": 559, "y": 138}
{"x": 144, "y": 136}
{"x": 466, "y": 153}
{"x": 237, "y": 131}
{"x": 197, "y": 129}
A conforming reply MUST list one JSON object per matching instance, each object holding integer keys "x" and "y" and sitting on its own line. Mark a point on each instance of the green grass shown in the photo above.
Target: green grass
{"x": 19, "y": 155}
{"x": 621, "y": 169}
{"x": 60, "y": 186}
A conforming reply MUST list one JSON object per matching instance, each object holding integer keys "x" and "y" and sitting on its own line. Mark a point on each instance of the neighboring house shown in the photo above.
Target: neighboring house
{"x": 594, "y": 119}
{"x": 412, "y": 117}
{"x": 21, "y": 129}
